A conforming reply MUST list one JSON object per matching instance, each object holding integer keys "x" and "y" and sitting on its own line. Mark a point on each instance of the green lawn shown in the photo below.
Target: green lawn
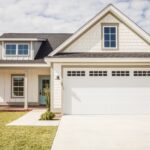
{"x": 24, "y": 138}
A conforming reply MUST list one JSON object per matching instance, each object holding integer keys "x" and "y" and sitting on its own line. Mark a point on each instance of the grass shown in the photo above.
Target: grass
{"x": 23, "y": 137}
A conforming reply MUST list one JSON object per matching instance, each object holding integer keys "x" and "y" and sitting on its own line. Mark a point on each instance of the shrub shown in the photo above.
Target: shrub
{"x": 47, "y": 116}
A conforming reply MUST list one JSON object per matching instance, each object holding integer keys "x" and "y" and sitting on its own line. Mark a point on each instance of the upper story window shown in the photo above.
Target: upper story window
{"x": 23, "y": 49}
{"x": 11, "y": 49}
{"x": 109, "y": 37}
{"x": 17, "y": 49}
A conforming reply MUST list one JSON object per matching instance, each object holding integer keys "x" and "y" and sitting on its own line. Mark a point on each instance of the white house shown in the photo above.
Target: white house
{"x": 103, "y": 68}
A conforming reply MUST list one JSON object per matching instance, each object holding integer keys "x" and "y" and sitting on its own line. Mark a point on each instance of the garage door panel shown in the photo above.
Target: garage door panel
{"x": 106, "y": 95}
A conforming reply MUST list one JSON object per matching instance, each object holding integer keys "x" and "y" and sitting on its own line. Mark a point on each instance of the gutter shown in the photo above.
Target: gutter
{"x": 96, "y": 60}
{"x": 26, "y": 65}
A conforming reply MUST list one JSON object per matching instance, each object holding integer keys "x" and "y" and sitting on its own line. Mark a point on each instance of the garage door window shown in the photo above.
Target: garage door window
{"x": 97, "y": 73}
{"x": 141, "y": 73}
{"x": 76, "y": 73}
{"x": 120, "y": 73}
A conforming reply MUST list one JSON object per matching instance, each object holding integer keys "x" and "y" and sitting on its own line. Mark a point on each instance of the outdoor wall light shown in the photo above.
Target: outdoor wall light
{"x": 57, "y": 78}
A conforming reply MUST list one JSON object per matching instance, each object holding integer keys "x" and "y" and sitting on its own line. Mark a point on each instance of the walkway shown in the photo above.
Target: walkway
{"x": 32, "y": 119}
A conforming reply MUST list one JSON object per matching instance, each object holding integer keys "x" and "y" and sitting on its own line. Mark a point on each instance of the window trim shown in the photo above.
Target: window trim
{"x": 103, "y": 41}
{"x": 10, "y": 54}
{"x": 15, "y": 75}
{"x": 17, "y": 44}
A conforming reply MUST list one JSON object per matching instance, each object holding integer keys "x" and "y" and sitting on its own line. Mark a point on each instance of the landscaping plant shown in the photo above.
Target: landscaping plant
{"x": 48, "y": 115}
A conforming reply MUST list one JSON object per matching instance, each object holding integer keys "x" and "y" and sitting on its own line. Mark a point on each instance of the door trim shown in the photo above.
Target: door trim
{"x": 39, "y": 77}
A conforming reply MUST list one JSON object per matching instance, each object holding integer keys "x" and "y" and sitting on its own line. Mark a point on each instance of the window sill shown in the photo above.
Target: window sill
{"x": 110, "y": 49}
{"x": 13, "y": 97}
{"x": 17, "y": 56}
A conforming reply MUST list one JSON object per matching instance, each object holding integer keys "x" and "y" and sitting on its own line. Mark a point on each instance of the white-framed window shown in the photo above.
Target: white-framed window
{"x": 11, "y": 49}
{"x": 16, "y": 49}
{"x": 110, "y": 37}
{"x": 17, "y": 86}
{"x": 23, "y": 49}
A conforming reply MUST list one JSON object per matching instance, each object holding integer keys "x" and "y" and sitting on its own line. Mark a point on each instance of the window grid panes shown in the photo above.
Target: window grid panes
{"x": 141, "y": 73}
{"x": 23, "y": 49}
{"x": 17, "y": 49}
{"x": 110, "y": 39}
{"x": 11, "y": 49}
{"x": 17, "y": 86}
{"x": 97, "y": 73}
{"x": 120, "y": 73}
{"x": 76, "y": 73}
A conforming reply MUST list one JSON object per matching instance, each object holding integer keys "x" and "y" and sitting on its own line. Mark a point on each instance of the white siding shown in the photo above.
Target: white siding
{"x": 0, "y": 50}
{"x": 91, "y": 40}
{"x": 33, "y": 84}
{"x": 2, "y": 83}
{"x": 56, "y": 88}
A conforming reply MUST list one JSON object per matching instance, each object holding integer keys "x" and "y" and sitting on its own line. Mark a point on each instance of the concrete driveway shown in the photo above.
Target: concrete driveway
{"x": 103, "y": 132}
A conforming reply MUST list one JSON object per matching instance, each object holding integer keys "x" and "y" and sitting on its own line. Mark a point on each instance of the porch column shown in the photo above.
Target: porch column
{"x": 26, "y": 90}
{"x": 50, "y": 87}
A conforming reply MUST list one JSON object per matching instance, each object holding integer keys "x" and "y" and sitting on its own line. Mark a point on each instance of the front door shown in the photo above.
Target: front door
{"x": 43, "y": 83}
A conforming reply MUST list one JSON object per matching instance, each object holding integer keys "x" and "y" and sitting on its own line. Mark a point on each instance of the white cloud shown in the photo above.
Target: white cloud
{"x": 64, "y": 15}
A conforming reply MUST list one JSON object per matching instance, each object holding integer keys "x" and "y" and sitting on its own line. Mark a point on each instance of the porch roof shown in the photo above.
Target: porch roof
{"x": 24, "y": 63}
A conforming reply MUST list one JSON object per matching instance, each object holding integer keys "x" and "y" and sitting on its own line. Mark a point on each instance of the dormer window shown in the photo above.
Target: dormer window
{"x": 109, "y": 37}
{"x": 23, "y": 49}
{"x": 10, "y": 49}
{"x": 17, "y": 49}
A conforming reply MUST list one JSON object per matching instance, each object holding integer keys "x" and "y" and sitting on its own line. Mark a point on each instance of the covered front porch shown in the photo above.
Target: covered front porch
{"x": 22, "y": 87}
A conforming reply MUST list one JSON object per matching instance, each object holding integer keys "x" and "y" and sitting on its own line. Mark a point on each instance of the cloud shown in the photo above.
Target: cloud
{"x": 64, "y": 15}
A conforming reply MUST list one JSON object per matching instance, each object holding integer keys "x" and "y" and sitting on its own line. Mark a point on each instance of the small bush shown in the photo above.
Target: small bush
{"x": 47, "y": 116}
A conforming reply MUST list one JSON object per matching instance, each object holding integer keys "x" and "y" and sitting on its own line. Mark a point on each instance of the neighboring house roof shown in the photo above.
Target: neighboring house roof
{"x": 103, "y": 55}
{"x": 109, "y": 9}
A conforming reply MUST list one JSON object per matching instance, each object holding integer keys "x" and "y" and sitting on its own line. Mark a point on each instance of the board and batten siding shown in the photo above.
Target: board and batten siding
{"x": 32, "y": 79}
{"x": 56, "y": 88}
{"x": 91, "y": 40}
{"x": 0, "y": 50}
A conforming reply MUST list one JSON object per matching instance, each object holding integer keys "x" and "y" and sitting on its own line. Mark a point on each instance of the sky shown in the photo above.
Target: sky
{"x": 64, "y": 16}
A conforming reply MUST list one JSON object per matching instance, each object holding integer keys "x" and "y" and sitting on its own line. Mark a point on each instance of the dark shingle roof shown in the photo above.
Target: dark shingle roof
{"x": 52, "y": 42}
{"x": 103, "y": 55}
{"x": 55, "y": 39}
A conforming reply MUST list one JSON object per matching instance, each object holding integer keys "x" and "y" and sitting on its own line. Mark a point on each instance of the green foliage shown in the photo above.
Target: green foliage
{"x": 48, "y": 103}
{"x": 47, "y": 115}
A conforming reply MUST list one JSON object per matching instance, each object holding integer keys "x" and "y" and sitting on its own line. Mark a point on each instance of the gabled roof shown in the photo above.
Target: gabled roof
{"x": 109, "y": 9}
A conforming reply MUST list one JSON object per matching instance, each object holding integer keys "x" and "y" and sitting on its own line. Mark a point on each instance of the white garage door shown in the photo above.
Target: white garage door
{"x": 106, "y": 91}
